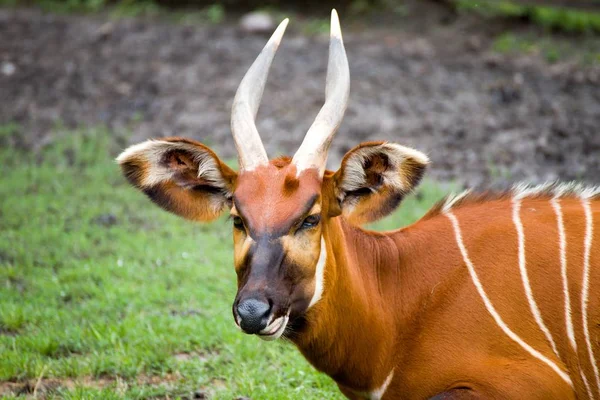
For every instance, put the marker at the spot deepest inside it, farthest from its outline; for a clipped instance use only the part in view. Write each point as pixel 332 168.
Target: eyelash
pixel 311 221
pixel 238 223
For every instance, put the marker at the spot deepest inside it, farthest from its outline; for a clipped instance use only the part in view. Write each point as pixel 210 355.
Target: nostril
pixel 253 315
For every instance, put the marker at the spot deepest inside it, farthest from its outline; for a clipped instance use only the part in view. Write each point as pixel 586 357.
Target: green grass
pixel 213 14
pixel 551 49
pixel 105 296
pixel 62 6
pixel 553 18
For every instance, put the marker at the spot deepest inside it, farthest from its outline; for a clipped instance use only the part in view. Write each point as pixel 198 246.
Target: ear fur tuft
pixel 145 164
pixel 375 177
pixel 180 175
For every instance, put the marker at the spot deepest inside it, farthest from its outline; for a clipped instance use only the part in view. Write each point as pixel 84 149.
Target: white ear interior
pixel 153 152
pixel 354 176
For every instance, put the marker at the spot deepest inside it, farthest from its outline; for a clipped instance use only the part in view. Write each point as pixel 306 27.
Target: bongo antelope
pixel 489 296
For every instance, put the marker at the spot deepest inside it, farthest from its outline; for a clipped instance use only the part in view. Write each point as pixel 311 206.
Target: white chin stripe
pixel 275 329
pixel 319 275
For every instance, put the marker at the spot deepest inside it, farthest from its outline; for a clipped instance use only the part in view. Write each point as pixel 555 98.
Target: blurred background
pixel 489 89
pixel 104 296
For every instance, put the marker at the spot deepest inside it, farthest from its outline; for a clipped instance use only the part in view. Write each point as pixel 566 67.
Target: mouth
pixel 275 329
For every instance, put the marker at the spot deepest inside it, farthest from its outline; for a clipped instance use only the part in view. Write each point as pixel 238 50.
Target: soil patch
pixel 41 388
pixel 429 81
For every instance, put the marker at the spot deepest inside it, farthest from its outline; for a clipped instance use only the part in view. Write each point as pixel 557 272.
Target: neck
pixel 348 331
pixel 374 289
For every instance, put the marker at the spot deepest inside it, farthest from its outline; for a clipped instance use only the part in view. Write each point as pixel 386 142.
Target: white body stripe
pixel 319 275
pixel 588 389
pixel 525 277
pixel 585 291
pixel 490 308
pixel 562 245
pixel 378 393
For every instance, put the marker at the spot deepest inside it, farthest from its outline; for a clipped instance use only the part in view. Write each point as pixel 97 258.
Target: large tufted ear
pixel 374 178
pixel 180 175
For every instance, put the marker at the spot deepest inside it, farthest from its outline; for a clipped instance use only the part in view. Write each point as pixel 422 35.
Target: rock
pixel 105 31
pixel 419 48
pixel 491 123
pixel 492 59
pixel 474 43
pixel 105 220
pixel 257 22
pixel 8 68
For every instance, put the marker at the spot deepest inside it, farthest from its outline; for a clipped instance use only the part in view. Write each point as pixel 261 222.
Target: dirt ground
pixel 428 80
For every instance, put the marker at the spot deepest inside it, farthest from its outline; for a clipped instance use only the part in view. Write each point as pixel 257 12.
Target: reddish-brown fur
pixel 425 319
pixel 404 301
pixel 267 200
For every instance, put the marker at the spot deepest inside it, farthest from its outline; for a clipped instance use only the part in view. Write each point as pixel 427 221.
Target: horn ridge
pixel 250 149
pixel 313 150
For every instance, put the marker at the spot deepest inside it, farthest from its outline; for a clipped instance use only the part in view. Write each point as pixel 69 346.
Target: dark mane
pixel 519 191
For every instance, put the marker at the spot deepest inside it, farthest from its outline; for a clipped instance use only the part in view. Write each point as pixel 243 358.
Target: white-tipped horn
pixel 251 152
pixel 313 151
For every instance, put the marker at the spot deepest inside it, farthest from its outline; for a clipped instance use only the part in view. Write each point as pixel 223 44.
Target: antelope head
pixel 280 208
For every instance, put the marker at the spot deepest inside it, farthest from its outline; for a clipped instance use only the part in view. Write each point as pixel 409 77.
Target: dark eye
pixel 310 221
pixel 238 223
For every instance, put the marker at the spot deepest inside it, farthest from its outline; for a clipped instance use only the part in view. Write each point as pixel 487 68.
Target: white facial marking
pixel 490 307
pixel 585 291
pixel 537 315
pixel 319 275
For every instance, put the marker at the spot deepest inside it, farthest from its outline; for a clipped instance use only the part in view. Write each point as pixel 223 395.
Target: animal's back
pixel 521 304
